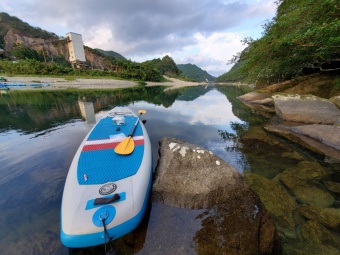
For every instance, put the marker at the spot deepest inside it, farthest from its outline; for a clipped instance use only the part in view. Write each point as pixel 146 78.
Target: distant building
pixel 76 50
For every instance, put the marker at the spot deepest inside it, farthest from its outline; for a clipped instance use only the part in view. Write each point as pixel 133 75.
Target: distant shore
pixel 81 83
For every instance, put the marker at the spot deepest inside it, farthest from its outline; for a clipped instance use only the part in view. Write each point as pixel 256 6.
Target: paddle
pixel 127 146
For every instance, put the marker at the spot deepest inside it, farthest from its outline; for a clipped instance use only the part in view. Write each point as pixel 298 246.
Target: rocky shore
pixel 307 113
pixel 303 198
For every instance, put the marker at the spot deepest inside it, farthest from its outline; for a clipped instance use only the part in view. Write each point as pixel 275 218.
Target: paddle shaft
pixel 134 127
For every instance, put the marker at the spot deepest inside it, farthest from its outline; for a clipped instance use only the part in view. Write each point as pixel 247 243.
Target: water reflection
pixel 87 112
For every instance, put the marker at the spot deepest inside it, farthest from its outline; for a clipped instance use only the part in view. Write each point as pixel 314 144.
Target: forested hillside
pixel 195 73
pixel 303 38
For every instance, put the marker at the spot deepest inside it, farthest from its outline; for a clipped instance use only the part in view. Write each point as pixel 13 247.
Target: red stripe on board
pixel 104 146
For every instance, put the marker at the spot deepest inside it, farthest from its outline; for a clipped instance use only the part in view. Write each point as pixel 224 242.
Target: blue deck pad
pixel 106 127
pixel 101 166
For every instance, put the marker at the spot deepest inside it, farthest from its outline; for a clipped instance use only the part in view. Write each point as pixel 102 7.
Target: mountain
pixel 111 53
pixel 194 72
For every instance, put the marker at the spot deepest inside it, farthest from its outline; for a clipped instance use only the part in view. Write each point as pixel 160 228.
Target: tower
pixel 76 50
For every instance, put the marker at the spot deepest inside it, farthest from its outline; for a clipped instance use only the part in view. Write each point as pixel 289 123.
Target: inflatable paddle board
pixel 108 184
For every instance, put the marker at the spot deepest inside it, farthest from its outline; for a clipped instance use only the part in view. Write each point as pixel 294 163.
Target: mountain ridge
pixel 195 73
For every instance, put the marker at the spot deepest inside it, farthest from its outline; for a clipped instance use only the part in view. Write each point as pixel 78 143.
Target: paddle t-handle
pixel 127 146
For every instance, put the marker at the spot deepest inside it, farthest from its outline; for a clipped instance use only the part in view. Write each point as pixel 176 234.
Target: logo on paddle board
pixel 107 189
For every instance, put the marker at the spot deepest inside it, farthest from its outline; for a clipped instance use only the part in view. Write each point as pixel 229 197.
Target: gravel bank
pixel 61 83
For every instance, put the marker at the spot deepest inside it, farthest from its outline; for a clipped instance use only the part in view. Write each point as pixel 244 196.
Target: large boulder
pixel 191 177
pixel 306 109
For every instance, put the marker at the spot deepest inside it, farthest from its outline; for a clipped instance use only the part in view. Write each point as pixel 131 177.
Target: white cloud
pixel 211 52
pixel 202 32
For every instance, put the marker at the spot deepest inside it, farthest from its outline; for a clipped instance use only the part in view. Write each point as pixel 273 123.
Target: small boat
pixel 15 85
pixel 39 85
pixel 108 184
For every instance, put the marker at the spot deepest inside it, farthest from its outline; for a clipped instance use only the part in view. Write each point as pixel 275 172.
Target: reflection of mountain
pixel 191 93
pixel 34 111
pixel 239 109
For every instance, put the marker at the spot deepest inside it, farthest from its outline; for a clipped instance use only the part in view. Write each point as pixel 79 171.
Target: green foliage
pixel 129 70
pixel 23 27
pixel 234 75
pixel 195 73
pixel 23 52
pixel 304 33
pixel 168 67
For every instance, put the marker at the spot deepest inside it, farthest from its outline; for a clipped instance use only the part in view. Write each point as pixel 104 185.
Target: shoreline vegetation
pixel 57 83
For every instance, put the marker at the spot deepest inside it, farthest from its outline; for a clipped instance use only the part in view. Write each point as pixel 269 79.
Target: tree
pixel 304 33
pixel 168 67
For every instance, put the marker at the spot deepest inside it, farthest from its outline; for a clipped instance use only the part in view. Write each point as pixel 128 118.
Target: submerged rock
pixel 307 192
pixel 277 201
pixel 264 150
pixel 306 170
pixel 316 239
pixel 332 186
pixel 234 220
pixel 329 217
pixel 301 181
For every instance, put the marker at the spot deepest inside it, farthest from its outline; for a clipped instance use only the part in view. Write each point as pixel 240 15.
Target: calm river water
pixel 41 131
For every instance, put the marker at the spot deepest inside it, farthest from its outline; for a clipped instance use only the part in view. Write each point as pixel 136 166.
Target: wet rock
pixel 335 100
pixel 255 96
pixel 277 201
pixel 329 217
pixel 332 154
pixel 234 221
pixel 306 109
pixel 326 134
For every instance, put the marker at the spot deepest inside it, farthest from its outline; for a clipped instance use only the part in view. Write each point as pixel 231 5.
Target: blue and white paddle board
pixel 104 188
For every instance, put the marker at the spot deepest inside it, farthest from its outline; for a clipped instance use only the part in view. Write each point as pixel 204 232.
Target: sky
pixel 206 33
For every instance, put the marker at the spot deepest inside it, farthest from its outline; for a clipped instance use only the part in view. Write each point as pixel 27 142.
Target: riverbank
pixel 81 83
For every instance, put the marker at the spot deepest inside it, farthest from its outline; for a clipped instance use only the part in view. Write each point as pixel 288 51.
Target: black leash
pixel 112 251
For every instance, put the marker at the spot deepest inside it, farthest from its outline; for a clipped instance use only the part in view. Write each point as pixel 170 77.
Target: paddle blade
pixel 125 147
pixel 141 112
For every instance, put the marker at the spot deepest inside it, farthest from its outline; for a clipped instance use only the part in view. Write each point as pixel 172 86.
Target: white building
pixel 76 49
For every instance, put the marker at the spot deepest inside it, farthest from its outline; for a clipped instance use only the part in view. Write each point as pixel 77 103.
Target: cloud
pixel 203 31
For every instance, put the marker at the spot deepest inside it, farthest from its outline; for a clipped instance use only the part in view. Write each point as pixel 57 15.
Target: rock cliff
pixel 50 47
